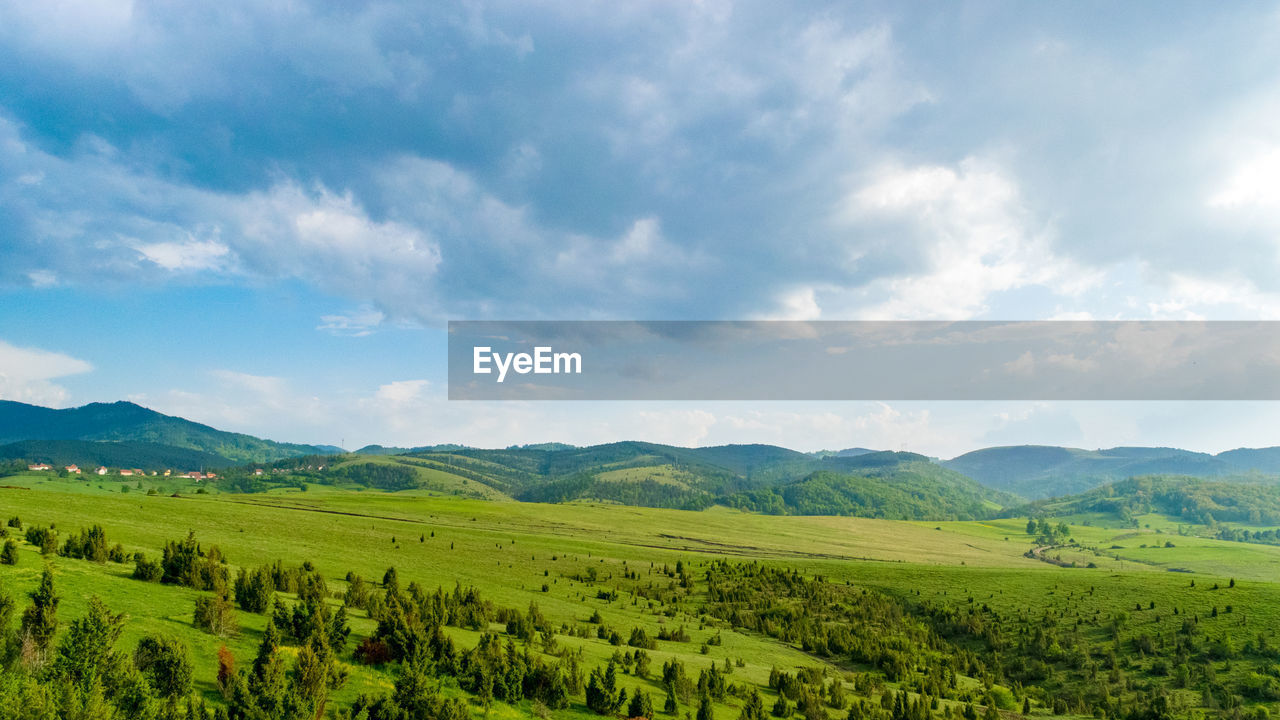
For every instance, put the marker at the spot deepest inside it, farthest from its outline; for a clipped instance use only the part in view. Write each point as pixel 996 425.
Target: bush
pixel 90 544
pixel 9 555
pixel 186 563
pixel 164 661
pixel 44 538
pixel 254 590
pixel 146 570
pixel 371 651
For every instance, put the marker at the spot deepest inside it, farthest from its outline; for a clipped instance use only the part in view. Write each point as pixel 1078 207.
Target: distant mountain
pixel 381 450
pixel 1263 460
pixel 384 450
pixel 89 454
pixel 127 422
pixel 1038 471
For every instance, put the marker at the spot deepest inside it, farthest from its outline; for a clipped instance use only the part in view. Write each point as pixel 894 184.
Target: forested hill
pixel 127 422
pixel 127 454
pixel 912 490
pixel 1193 500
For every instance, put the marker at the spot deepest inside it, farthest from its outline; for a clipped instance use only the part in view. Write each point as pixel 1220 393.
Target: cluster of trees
pixel 1238 534
pixel 382 476
pixel 83 674
pixel 1046 533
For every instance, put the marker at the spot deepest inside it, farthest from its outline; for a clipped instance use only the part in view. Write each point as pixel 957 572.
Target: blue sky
pixel 259 215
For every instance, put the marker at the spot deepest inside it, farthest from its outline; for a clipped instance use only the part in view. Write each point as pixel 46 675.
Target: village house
pixel 72 469
pixel 124 473
pixel 101 470
pixel 39 466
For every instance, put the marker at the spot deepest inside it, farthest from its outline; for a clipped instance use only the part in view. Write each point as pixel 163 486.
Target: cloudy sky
pixel 260 214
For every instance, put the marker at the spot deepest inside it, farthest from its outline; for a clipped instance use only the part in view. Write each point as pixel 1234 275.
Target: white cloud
pixel 960 235
pixel 1254 183
pixel 26 374
pixel 191 255
pixel 359 323
pixel 401 391
pixel 42 278
pixel 330 241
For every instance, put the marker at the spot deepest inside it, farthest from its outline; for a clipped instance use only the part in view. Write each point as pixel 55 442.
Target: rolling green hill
pixel 127 422
pixel 900 491
pixel 763 478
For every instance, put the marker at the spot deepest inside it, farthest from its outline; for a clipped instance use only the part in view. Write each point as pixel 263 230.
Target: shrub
pixel 146 570
pixel 372 651
pixel 44 538
pixel 164 661
pixel 254 590
pixel 9 555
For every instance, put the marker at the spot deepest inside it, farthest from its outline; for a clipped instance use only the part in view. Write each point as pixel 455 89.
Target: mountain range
pixel 1041 471
pixel 764 478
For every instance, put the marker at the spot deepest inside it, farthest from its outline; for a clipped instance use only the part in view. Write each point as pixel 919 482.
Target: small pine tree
pixel 40 619
pixel 705 709
pixel 640 706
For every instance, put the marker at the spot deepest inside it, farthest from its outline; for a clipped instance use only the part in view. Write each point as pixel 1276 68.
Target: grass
pixel 510 550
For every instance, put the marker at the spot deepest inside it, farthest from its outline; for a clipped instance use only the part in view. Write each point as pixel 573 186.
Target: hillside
pixel 1187 499
pixel 898 491
pixel 127 422
pixel 1037 471
pixel 763 478
pixel 86 453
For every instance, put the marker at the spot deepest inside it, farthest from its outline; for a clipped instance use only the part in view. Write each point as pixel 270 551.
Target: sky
pixel 259 215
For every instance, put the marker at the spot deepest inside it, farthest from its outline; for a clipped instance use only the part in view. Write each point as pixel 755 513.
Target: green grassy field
pixel 510 550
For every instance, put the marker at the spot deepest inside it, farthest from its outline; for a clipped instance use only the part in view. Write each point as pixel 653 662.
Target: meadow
pixel 577 560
